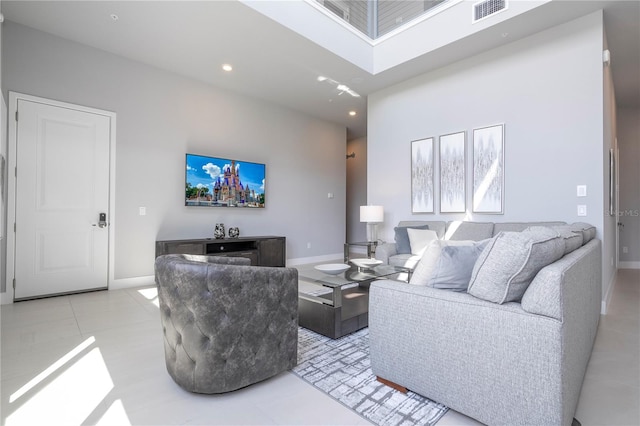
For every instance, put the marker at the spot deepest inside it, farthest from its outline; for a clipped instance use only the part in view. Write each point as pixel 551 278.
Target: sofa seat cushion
pixel 511 260
pixel 404 260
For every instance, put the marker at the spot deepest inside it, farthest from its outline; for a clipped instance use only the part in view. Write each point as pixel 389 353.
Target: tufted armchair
pixel 226 324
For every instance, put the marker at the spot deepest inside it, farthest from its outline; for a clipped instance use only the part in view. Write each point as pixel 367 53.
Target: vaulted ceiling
pixel 275 63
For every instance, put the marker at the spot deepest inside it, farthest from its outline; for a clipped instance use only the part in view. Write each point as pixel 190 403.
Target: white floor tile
pixel 97 358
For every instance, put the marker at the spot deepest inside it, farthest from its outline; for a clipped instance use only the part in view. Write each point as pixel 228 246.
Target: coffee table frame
pixel 344 308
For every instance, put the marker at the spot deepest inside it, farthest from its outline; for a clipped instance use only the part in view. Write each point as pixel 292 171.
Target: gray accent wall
pixel 629 190
pixel 356 189
pixel 160 117
pixel 548 91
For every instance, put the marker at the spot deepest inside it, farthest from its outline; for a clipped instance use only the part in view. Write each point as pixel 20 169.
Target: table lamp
pixel 372 215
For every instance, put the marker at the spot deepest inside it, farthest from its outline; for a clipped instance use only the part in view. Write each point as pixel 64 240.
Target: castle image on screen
pixel 219 182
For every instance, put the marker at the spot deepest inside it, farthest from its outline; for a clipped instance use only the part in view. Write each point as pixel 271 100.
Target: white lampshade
pixel 371 214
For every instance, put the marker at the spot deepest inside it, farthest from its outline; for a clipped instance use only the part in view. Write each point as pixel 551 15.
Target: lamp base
pixel 372 232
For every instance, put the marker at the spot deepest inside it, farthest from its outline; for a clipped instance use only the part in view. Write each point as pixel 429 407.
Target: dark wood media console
pixel 263 251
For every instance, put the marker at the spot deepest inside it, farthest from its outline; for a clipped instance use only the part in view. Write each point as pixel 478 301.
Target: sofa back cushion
pixel 469 231
pixel 572 239
pixel 436 225
pixel 455 265
pixel 419 239
pixel 403 245
pixel 588 231
pixel 427 265
pixel 511 260
pixel 520 226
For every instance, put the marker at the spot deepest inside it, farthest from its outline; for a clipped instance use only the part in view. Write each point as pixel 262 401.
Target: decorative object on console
pixel 234 232
pixel 372 215
pixel 218 232
pixel 219 182
pixel 452 173
pixel 333 268
pixel 422 188
pixel 488 169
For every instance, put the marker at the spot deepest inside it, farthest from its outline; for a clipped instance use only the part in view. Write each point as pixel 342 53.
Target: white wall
pixel 548 91
pixel 629 206
pixel 160 117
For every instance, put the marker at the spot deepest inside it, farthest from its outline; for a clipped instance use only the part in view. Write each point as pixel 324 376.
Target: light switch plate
pixel 581 190
pixel 582 210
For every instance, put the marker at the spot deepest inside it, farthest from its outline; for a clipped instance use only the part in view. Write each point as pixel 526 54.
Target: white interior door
pixel 62 187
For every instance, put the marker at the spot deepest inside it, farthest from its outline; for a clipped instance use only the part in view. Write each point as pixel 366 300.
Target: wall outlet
pixel 582 210
pixel 308 245
pixel 143 211
pixel 625 249
pixel 581 190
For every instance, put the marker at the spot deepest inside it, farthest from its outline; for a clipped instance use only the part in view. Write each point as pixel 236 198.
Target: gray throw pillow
pixel 455 265
pixel 511 260
pixel 403 246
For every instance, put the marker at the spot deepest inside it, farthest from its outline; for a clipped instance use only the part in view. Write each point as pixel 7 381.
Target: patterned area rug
pixel 341 368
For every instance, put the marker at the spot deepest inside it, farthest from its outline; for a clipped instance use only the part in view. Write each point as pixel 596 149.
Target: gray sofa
pixel 226 324
pixel 515 363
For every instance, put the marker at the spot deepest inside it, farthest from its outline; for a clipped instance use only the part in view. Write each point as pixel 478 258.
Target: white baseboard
pixel 628 265
pixel 132 282
pixel 316 259
pixel 6 298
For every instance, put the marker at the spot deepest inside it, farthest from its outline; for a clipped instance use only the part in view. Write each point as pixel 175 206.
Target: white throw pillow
pixel 424 269
pixel 419 239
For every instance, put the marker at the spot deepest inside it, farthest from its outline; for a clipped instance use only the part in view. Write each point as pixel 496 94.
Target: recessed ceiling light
pixel 352 113
pixel 227 67
pixel 114 17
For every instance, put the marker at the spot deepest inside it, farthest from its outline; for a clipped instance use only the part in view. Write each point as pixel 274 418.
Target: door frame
pixel 14 97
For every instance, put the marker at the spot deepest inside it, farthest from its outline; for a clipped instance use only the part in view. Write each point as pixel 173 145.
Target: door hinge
pixel 14 227
pixel 16 115
pixel 14 283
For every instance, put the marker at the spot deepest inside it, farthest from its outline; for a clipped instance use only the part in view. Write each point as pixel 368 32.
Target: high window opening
pixel 376 18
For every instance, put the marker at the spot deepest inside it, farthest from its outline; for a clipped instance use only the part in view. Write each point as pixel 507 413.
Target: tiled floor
pixel 97 358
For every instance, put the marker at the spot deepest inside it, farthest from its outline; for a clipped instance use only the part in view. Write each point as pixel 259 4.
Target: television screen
pixel 219 182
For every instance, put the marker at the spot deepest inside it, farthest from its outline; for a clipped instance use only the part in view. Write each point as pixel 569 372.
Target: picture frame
pixel 422 185
pixel 453 160
pixel 488 169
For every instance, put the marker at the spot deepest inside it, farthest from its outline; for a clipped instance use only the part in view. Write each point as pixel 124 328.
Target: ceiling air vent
pixel 486 8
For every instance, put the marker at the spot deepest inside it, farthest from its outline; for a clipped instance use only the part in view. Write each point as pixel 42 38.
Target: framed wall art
pixel 422 188
pixel 488 169
pixel 452 173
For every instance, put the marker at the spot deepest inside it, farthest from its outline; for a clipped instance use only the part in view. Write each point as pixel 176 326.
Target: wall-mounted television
pixel 220 182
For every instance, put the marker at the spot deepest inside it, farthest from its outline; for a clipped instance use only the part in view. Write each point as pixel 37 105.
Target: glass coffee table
pixel 336 305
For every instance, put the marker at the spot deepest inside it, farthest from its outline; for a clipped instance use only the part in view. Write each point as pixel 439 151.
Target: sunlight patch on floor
pixel 150 294
pixel 68 391
pixel 115 415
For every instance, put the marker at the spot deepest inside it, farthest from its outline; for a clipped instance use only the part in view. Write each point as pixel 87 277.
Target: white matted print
pixel 488 169
pixel 452 173
pixel 422 162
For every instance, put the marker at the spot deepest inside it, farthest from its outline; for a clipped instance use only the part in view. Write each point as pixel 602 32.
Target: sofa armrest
pixel 485 360
pixel 384 251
